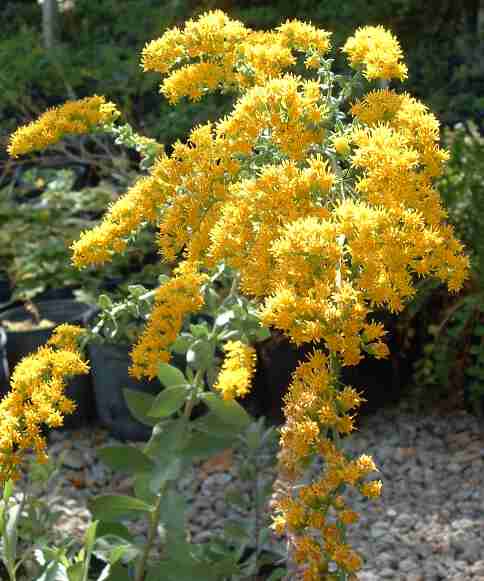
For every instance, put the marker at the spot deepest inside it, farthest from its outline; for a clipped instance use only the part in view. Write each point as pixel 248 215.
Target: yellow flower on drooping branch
pixel 74 117
pixel 234 379
pixel 377 51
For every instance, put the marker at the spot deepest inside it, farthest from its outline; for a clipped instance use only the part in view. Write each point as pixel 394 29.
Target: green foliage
pixel 454 351
pixel 462 190
pixel 175 444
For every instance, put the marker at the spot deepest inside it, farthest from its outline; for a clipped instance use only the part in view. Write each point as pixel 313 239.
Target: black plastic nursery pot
pixel 5 289
pixel 22 343
pixel 109 367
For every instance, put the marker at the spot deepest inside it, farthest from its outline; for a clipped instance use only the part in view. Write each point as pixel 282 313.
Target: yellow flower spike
pixel 174 300
pixel 237 370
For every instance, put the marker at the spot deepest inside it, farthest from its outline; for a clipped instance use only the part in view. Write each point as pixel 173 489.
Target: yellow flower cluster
pixel 289 108
pixel 230 56
pixel 53 125
pixel 37 397
pixel 174 300
pixel 377 52
pixel 237 371
pixel 323 224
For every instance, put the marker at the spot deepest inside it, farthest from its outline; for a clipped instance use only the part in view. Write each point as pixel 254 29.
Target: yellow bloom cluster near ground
pixel 37 397
pixel 324 221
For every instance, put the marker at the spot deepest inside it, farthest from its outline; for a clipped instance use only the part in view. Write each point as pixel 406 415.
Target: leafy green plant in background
pixel 454 351
pixel 43 212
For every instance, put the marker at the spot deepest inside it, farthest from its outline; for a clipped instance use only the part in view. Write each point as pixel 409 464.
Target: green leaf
pixel 203 445
pixel 142 488
pixel 170 376
pixel 11 533
pixel 112 507
pixel 181 344
pixel 139 403
pixel 201 354
pixel 168 401
pixel 113 529
pixel 166 470
pixel 200 330
pixel 262 334
pixel 210 423
pixel 125 458
pixel 75 572
pixel 277 574
pixel 104 302
pixel 173 509
pixel 8 490
pixel 229 411
pixel 117 572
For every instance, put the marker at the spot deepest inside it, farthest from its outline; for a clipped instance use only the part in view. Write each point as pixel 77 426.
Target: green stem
pixel 155 517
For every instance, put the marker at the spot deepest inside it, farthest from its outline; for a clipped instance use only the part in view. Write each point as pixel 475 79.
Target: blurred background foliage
pixel 98 52
pixel 99 46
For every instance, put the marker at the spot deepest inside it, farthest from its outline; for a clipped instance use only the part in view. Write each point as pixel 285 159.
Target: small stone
pixel 477 568
pixel 405 521
pixel 407 565
pixel 73 460
pixel 454 468
pixel 387 573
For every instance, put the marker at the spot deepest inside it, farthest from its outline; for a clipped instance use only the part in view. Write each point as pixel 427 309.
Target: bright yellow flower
pixel 74 117
pixel 377 51
pixel 237 370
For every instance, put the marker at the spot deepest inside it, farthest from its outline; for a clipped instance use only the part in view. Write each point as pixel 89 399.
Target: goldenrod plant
pixel 318 191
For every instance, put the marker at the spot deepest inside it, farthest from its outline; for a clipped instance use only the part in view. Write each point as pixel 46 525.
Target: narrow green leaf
pixel 112 507
pixel 168 401
pixel 11 533
pixel 8 490
pixel 125 458
pixel 170 376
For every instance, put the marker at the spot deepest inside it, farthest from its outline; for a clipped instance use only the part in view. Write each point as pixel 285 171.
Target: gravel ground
pixel 428 525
